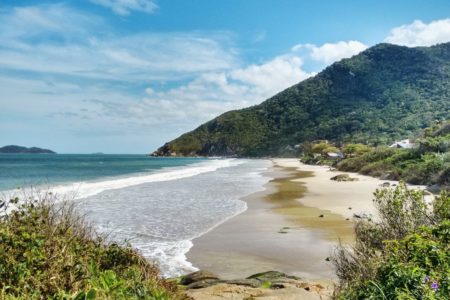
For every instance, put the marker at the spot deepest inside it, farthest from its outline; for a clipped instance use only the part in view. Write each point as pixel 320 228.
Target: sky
pixel 126 76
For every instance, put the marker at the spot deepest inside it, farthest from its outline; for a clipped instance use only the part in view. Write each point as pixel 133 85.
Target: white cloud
pixel 39 39
pixel 77 82
pixel 124 7
pixel 274 75
pixel 331 52
pixel 211 94
pixel 46 21
pixel 214 81
pixel 419 33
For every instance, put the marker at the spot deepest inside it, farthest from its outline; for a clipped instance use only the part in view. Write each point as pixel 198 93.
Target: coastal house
pixel 335 155
pixel 404 144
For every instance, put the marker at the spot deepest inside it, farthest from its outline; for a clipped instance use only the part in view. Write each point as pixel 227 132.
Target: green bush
pixel 48 251
pixel 405 254
pixel 355 149
pixel 355 164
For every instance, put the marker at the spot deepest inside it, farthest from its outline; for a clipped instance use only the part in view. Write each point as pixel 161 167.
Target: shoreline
pixel 261 238
pixel 282 229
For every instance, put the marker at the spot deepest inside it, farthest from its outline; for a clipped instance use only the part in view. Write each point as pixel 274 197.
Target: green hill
pixel 385 93
pixel 13 149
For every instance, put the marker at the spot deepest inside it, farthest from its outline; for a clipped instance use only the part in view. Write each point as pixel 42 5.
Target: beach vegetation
pixel 49 251
pixel 427 163
pixel 404 254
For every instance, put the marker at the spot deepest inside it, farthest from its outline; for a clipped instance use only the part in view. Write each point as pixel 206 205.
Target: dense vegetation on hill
pixel 405 254
pixel 20 149
pixel 385 93
pixel 427 163
pixel 47 251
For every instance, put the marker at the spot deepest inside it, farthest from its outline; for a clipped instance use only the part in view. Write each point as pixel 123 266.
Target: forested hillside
pixel 385 93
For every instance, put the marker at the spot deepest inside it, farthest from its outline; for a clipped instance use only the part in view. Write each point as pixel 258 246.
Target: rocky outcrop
pixel 202 285
pixel 343 177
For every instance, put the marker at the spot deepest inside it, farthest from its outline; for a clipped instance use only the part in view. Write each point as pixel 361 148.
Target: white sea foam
pixel 84 189
pixel 162 219
pixel 161 213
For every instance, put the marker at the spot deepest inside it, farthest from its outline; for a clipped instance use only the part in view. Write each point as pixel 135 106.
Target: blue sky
pixel 125 76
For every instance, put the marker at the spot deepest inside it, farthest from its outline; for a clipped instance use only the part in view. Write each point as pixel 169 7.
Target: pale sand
pixel 235 292
pixel 255 240
pixel 251 242
pixel 334 196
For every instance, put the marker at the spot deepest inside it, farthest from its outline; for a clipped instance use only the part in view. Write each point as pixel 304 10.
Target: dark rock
pixel 255 283
pixel 277 286
pixel 343 177
pixel 198 276
pixel 203 284
pixel 272 276
pixel 435 188
pixel 386 176
pixel 321 216
pixel 270 279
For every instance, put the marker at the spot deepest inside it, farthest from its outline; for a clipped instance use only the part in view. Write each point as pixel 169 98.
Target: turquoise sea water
pixel 159 205
pixel 24 170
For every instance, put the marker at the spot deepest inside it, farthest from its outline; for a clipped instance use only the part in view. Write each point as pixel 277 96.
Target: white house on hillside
pixel 405 144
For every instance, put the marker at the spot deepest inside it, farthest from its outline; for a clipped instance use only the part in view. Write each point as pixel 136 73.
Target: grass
pixel 49 251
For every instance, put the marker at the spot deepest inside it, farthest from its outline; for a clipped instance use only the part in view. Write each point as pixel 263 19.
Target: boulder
pixel 434 189
pixel 198 276
pixel 343 177
pixel 254 283
pixel 386 176
pixel 272 276
pixel 361 216
pixel 203 284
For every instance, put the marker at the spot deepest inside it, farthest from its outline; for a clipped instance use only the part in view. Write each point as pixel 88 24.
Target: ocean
pixel 158 205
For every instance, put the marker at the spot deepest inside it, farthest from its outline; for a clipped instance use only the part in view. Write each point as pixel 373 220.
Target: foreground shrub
pixel 48 251
pixel 405 254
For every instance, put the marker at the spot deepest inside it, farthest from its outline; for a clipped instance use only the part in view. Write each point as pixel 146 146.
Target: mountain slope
pixel 385 93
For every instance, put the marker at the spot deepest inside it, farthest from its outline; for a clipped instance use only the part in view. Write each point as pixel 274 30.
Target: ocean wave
pixel 84 189
pixel 162 212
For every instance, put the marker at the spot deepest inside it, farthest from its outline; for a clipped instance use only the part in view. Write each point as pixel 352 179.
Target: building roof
pixel 406 144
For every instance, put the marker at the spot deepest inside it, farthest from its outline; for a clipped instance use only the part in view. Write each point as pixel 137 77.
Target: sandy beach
pixel 291 226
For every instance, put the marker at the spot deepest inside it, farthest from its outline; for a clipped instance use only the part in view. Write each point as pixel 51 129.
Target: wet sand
pixel 292 226
pixel 275 233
